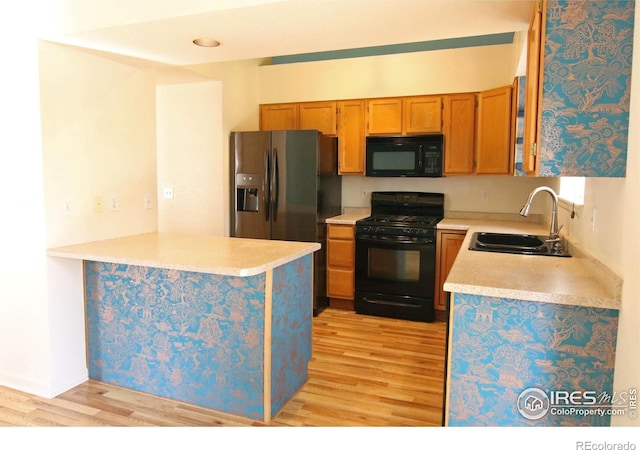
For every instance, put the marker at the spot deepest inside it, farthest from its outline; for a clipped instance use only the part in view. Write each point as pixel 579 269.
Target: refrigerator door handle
pixel 265 186
pixel 275 184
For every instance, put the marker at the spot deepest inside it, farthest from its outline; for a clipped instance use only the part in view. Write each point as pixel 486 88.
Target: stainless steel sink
pixel 522 244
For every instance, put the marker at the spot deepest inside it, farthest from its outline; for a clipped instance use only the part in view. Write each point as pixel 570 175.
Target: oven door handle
pixel 395 240
pixel 387 302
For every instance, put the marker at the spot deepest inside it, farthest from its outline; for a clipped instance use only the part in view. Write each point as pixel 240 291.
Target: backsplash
pixel 492 194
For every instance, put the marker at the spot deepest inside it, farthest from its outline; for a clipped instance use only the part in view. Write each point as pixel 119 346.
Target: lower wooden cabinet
pixel 448 244
pixel 341 261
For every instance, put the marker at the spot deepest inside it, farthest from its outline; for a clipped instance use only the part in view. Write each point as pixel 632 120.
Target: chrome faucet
pixel 554 231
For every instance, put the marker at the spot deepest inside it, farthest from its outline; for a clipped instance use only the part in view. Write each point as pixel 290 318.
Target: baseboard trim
pixel 43 388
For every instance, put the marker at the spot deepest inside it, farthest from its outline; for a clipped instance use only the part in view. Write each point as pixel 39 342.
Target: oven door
pixel 395 276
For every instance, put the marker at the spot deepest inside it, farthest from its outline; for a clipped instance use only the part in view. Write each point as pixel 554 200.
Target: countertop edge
pixel 533 296
pixel 76 252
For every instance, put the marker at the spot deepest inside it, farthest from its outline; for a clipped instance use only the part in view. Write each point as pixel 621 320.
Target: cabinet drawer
pixel 341 253
pixel 340 232
pixel 340 283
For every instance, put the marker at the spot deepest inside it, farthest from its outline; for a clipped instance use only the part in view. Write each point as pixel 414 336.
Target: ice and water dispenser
pixel 247 192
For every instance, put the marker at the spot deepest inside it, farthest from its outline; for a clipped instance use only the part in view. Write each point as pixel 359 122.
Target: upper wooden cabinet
pixel 279 117
pixel 478 132
pixel 494 145
pixel 404 115
pixel 531 121
pixel 321 116
pixel 384 116
pixel 578 88
pixel 460 133
pixel 422 114
pixel 351 136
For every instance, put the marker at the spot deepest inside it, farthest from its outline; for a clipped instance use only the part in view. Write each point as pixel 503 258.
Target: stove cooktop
pixel 400 221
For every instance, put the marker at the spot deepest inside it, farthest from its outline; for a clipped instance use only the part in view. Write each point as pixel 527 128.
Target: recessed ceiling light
pixel 206 42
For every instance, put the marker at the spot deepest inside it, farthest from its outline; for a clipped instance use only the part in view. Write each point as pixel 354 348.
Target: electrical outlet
pixel 98 205
pixel 148 202
pixel 168 193
pixel 486 195
pixel 594 223
pixel 363 193
pixel 113 203
pixel 67 206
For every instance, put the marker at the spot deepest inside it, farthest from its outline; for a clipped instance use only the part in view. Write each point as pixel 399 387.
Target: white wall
pixel 24 312
pixel 98 141
pixel 432 72
pixel 625 223
pixel 96 137
pixel 191 158
pixel 607 197
pixel 239 93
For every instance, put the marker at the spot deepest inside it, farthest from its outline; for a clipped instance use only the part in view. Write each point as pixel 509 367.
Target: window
pixel 572 189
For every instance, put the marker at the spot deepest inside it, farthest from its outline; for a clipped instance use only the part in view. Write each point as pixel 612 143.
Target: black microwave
pixel 404 156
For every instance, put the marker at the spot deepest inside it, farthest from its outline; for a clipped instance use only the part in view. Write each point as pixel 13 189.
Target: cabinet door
pixel 279 117
pixel 531 119
pixel 321 116
pixel 493 145
pixel 459 133
pixel 422 114
pixel 384 116
pixel 448 246
pixel 351 136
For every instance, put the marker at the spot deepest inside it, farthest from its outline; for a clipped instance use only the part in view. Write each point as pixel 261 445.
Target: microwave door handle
pixel 265 185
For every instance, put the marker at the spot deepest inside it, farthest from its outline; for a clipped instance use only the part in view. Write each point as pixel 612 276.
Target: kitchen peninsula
pixel 219 322
pixel 523 327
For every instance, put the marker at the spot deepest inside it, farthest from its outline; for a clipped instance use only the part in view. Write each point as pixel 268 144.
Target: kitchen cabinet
pixel 422 114
pixel 478 132
pixel 384 116
pixel 351 136
pixel 405 115
pixel 578 88
pixel 448 244
pixel 279 117
pixel 341 261
pixel 494 143
pixel 460 133
pixel 321 116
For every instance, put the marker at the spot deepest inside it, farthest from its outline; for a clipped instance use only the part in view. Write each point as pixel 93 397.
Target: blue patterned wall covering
pixel 291 329
pixel 187 336
pixel 500 347
pixel 586 88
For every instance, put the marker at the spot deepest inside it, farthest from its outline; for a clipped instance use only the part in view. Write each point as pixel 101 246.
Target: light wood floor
pixel 365 371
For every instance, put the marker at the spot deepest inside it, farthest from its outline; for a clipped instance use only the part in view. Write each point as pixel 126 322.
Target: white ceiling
pixel 163 30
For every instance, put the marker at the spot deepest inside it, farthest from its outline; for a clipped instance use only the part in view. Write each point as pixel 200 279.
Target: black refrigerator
pixel 284 185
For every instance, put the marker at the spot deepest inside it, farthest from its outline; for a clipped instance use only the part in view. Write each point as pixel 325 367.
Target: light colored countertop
pixel 204 254
pixel 349 216
pixel 580 280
